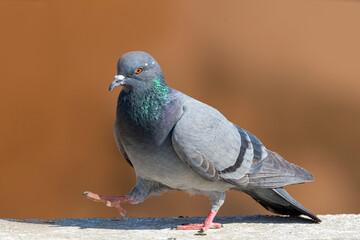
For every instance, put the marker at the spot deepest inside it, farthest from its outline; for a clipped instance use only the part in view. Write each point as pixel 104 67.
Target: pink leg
pixel 111 201
pixel 202 226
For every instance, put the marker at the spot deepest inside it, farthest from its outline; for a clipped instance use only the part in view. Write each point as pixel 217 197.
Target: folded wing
pixel 219 150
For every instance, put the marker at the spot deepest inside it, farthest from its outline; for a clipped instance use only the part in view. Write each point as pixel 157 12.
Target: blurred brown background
pixel 288 71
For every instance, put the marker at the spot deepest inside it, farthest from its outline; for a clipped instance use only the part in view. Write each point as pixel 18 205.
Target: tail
pixel 277 200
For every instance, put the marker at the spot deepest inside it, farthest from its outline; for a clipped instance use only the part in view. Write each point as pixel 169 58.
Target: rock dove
pixel 175 142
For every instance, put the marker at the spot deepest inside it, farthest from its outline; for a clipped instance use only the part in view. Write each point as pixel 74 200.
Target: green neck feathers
pixel 148 106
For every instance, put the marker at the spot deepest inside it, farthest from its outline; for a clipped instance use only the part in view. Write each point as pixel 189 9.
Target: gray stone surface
pixel 346 226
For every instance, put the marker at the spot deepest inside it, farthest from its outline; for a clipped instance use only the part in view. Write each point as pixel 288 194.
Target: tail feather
pixel 277 200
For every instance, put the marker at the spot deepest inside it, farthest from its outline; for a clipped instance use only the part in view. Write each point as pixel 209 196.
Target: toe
pixel 189 226
pixel 216 225
pixel 93 196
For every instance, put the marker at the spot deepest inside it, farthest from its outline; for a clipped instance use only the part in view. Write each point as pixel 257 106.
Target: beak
pixel 118 81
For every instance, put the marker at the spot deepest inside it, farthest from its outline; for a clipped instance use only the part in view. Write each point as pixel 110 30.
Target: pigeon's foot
pixel 202 227
pixel 111 201
pixel 198 226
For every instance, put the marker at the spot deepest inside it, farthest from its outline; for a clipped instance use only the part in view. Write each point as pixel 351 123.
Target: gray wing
pixel 205 140
pixel 120 146
pixel 217 149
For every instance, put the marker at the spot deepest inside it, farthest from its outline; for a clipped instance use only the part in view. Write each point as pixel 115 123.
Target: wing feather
pixel 205 140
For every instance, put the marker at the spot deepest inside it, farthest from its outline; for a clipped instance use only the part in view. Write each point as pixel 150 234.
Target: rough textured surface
pixel 235 227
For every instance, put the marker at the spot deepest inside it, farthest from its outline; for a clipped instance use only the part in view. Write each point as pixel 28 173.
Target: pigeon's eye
pixel 139 70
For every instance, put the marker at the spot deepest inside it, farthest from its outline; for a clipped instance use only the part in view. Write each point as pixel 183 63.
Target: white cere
pixel 119 77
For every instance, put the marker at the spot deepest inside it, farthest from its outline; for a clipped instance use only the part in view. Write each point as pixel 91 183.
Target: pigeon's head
pixel 136 70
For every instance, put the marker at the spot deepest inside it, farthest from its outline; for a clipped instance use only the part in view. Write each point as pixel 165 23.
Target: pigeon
pixel 175 142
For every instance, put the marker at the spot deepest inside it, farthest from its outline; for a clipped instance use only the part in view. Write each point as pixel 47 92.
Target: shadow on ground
pixel 159 223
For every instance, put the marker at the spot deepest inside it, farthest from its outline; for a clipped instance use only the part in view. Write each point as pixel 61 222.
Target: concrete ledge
pixel 345 226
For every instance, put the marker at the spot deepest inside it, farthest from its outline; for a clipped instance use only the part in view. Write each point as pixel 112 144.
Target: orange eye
pixel 139 70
